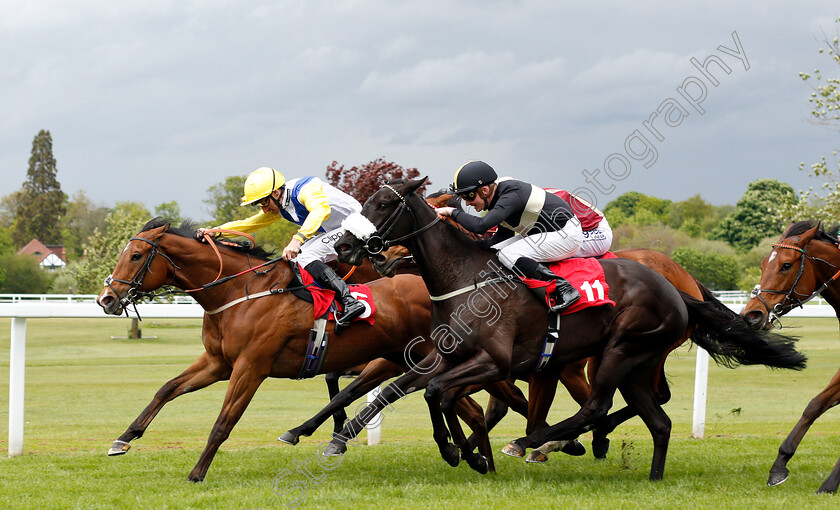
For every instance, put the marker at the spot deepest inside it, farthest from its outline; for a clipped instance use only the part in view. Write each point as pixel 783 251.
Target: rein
pixel 792 297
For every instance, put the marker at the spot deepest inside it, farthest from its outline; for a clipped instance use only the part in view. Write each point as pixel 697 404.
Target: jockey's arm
pixel 250 224
pixel 313 198
pixel 503 208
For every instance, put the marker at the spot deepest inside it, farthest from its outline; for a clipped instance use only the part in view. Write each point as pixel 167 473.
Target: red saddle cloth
pixel 586 275
pixel 322 299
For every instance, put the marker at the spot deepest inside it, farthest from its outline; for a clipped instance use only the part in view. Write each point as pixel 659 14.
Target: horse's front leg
pixel 825 400
pixel 246 377
pixel 479 369
pixel 203 372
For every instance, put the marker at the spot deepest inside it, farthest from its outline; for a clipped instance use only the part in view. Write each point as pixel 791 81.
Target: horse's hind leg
pixel 830 484
pixel 340 415
pixel 504 395
pixel 203 372
pixel 411 381
pixel 639 394
pixel 473 415
pixel 613 420
pixel 372 376
pixel 825 400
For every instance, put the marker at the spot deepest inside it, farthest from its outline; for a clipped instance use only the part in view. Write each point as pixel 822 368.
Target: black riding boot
pixel 327 278
pixel 564 294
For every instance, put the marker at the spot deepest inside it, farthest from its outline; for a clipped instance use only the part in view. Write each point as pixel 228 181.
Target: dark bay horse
pixel 804 263
pixel 487 327
pixel 574 376
pixel 257 338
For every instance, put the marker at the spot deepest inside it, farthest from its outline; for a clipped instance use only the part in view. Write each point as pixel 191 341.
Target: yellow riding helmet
pixel 260 183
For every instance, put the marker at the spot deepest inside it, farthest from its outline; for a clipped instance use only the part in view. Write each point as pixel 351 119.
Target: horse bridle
pixel 376 242
pixel 792 298
pixel 135 283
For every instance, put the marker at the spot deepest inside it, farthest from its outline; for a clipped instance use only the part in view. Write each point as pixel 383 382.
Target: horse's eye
pixel 136 257
pixel 786 266
pixel 382 206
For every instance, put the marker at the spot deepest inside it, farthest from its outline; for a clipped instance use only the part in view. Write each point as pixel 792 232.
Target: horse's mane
pixel 800 227
pixel 460 234
pixel 187 229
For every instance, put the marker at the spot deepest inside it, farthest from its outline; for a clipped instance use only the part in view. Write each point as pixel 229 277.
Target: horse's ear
pixel 412 186
pixel 159 231
pixel 810 233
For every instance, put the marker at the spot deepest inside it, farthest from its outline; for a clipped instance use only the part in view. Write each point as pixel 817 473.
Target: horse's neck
pixel 829 253
pixel 448 262
pixel 196 268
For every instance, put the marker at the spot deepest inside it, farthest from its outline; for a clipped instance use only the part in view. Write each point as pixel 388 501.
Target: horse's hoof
pixel 334 450
pixel 777 477
pixel 574 448
pixel 479 463
pixel 827 488
pixel 451 455
pixel 195 478
pixel 537 457
pixel 600 447
pixel 289 438
pixel 513 450
pixel 119 448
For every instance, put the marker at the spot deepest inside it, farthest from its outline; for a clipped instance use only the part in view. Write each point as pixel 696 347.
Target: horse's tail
pixel 731 342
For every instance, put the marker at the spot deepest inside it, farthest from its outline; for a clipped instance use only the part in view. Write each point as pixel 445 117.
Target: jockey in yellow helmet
pixel 318 209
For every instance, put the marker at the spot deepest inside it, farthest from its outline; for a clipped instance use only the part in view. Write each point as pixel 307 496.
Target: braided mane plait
pixel 800 227
pixel 187 229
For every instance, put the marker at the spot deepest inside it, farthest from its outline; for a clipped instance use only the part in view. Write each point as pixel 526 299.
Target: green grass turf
pixel 84 388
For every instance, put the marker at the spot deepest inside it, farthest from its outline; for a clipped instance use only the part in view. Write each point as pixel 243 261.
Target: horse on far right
pixel 805 263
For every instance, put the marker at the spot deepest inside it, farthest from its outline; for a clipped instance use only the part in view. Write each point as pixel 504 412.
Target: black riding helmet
pixel 472 176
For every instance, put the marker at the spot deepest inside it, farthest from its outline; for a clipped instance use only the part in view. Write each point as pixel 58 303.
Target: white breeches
pixel 597 241
pixel 319 247
pixel 542 247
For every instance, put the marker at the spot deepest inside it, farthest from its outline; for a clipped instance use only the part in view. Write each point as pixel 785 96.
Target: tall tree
pixel 361 182
pixel 42 203
pixel 756 215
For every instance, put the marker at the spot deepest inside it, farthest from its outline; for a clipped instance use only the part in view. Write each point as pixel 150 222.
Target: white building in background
pixel 49 258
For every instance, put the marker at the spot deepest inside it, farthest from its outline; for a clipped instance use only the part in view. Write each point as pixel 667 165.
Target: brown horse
pixel 803 264
pixel 247 341
pixel 478 342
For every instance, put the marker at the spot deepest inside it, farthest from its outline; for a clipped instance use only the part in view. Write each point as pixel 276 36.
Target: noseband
pixel 792 298
pixel 135 283
pixel 376 243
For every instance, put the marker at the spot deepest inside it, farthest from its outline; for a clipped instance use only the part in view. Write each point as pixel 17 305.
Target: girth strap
pixel 550 341
pixel 316 350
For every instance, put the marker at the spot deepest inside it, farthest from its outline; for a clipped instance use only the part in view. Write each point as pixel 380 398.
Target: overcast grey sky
pixel 158 100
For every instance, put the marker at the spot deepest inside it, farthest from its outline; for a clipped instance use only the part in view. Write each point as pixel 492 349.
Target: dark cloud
pixel 159 102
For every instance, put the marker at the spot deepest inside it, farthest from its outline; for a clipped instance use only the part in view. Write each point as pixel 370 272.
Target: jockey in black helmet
pixel 533 226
